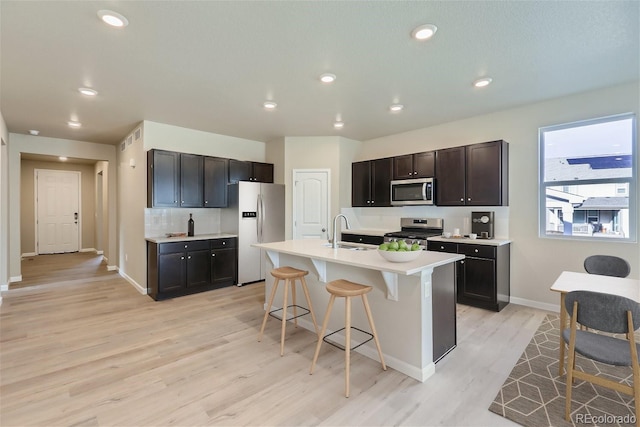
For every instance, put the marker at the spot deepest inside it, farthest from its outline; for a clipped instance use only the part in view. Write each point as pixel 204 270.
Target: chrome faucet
pixel 334 242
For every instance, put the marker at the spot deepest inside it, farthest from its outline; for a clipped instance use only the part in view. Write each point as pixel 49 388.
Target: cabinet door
pixel 171 271
pixel 198 268
pixel 479 279
pixel 484 174
pixel 239 171
pixel 164 178
pixel 361 184
pixel 403 167
pixel 223 266
pixel 215 182
pixel 191 181
pixel 262 172
pixel 424 165
pixel 450 177
pixel 381 172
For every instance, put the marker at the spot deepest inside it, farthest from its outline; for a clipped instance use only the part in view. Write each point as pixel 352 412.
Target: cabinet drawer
pixel 223 243
pixel 480 251
pixel 166 248
pixel 362 238
pixel 451 248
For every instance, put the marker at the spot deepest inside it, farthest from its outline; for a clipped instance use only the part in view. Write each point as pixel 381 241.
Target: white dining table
pixel 571 281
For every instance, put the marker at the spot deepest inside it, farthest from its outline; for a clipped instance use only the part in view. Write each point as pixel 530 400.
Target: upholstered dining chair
pixel 611 314
pixel 607 265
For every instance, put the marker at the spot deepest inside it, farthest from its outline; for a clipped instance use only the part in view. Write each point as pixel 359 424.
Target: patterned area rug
pixel 533 395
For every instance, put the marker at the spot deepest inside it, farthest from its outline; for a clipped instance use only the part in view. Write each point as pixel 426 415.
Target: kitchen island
pixel 402 301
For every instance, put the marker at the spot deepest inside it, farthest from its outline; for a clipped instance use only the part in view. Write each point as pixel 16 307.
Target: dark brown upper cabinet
pixel 371 183
pixel 191 181
pixel 163 179
pixel 216 170
pixel 250 171
pixel 417 165
pixel 473 175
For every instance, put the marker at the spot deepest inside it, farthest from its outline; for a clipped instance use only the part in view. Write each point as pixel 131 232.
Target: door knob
pixel 324 229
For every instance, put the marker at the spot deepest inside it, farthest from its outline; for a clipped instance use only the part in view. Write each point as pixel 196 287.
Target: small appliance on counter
pixel 482 224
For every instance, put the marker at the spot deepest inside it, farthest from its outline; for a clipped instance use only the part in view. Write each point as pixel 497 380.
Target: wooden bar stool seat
pixel 289 275
pixel 346 289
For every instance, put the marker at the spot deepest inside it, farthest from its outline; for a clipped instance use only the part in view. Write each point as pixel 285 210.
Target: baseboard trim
pixel 112 268
pixel 88 250
pixel 536 304
pixel 135 284
pixel 13 279
pixel 28 254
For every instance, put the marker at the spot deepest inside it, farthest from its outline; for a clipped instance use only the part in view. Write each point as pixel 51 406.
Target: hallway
pixel 45 270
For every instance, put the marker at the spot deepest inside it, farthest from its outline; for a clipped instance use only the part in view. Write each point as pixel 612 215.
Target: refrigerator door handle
pixel 259 219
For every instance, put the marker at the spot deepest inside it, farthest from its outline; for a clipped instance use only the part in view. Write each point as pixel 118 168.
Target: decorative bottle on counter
pixel 190 225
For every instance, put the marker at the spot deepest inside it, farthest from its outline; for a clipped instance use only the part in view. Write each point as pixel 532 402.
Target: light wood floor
pixel 92 351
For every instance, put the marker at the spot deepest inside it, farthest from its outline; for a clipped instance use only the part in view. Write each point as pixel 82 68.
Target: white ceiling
pixel 209 65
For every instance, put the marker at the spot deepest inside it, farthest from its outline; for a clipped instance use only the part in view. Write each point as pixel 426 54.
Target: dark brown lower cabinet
pixel 181 268
pixel 482 278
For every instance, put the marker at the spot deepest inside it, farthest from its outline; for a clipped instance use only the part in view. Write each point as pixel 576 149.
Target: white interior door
pixel 311 203
pixel 57 211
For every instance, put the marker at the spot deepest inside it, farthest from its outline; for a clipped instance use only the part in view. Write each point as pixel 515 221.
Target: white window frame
pixel 632 181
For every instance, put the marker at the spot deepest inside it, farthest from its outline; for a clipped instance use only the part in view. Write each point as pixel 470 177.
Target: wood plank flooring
pixel 89 350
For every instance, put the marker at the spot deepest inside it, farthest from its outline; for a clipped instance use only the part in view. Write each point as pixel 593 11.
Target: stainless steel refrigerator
pixel 255 213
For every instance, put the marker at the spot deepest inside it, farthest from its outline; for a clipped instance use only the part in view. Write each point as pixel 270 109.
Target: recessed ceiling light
pixel 88 91
pixel 34 132
pixel 483 82
pixel 113 18
pixel 327 78
pixel 424 32
pixel 338 125
pixel 62 158
pixel 396 107
pixel 74 124
pixel 270 105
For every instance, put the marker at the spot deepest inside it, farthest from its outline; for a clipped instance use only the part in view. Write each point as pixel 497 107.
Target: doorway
pixel 311 203
pixel 57 205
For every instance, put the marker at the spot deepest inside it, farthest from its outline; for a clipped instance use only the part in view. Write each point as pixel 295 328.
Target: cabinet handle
pixel 185 246
pixel 469 199
pixel 410 173
pixel 441 247
pixel 224 243
pixel 462 262
pixel 415 172
pixel 213 254
pixel 206 201
pixel 475 250
pixel 181 257
pixel 462 199
pixel 189 257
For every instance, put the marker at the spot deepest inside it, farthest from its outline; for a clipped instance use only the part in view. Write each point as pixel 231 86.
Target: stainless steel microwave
pixel 419 191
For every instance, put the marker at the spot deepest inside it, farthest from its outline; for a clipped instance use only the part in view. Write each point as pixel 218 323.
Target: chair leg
pixel 325 322
pixel 563 322
pixel 293 299
pixel 347 343
pixel 306 294
pixel 571 363
pixel 285 300
pixel 269 305
pixel 365 301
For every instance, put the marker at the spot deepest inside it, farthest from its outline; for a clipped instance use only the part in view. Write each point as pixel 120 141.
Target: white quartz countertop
pixel 488 242
pixel 164 239
pixel 369 231
pixel 319 249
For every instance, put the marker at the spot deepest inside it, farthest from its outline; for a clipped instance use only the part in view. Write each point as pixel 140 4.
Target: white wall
pixel 535 261
pixel 53 147
pixel 4 206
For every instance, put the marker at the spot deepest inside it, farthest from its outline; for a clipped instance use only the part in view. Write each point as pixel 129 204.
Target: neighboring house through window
pixel 588 178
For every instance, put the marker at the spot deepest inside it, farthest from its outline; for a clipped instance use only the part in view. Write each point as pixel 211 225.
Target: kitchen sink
pixel 348 246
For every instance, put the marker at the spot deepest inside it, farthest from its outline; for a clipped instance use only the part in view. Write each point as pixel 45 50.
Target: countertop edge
pixel 163 239
pixel 466 240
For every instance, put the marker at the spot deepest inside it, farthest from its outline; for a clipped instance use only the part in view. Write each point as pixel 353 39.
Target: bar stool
pixel 289 275
pixel 346 289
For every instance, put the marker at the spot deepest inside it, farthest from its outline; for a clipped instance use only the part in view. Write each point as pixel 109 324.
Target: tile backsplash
pixel 158 221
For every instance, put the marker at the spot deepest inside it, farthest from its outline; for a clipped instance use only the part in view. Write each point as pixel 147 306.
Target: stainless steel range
pixel 416 230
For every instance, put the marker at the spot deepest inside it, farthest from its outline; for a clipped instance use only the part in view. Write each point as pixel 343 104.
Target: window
pixel 588 174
